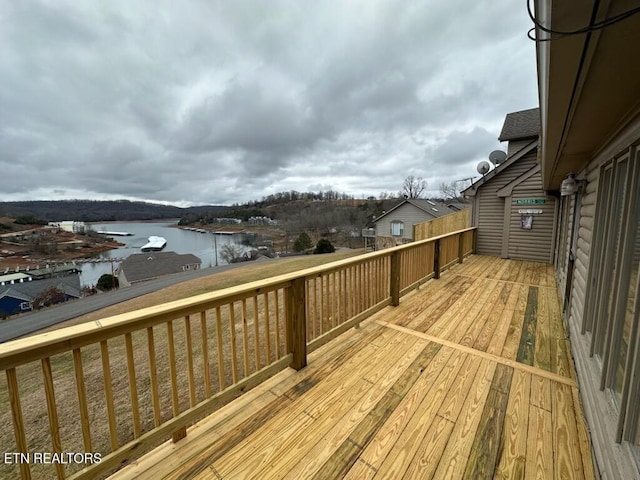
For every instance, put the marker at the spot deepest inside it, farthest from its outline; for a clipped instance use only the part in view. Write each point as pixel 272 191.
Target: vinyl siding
pixel 564 241
pixel 583 251
pixel 515 145
pixel 407 213
pixel 490 214
pixel 615 460
pixel 535 244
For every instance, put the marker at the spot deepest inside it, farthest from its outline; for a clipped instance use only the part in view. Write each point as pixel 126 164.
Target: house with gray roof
pixel 146 266
pixel 514 215
pixel 520 128
pixel 395 227
pixel 19 296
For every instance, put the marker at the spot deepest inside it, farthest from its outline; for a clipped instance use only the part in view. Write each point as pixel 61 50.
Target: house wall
pixel 535 244
pixel 489 215
pixel 407 213
pixel 602 297
pixel 122 279
pixel 565 221
pixel 515 145
pixel 10 306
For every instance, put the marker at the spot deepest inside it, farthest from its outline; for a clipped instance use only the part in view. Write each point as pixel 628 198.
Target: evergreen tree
pixel 324 246
pixel 302 243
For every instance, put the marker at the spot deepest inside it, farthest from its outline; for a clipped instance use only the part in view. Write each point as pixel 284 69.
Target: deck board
pixel 469 377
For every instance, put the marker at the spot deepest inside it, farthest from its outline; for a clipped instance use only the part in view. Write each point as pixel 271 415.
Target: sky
pixel 222 102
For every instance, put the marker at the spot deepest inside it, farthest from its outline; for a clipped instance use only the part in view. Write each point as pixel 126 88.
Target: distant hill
pixel 295 211
pixel 101 211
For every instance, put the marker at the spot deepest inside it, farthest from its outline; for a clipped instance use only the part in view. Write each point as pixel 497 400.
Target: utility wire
pixel 590 28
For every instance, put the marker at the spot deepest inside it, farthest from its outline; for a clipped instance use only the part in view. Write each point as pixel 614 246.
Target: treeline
pixel 328 195
pixel 313 211
pixel 293 196
pixel 99 210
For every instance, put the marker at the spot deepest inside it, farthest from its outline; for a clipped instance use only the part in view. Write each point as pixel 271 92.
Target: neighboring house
pixel 145 266
pixel 457 206
pixel 13 302
pixel 395 227
pixel 19 296
pixel 11 278
pixel 69 226
pixel 514 215
pixel 589 85
pixel 53 271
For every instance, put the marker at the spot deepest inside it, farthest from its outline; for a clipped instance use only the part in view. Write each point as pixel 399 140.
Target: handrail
pixel 219 345
pixel 49 343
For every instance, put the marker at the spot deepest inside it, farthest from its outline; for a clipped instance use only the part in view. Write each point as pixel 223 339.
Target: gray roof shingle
pixel 521 125
pixel 434 208
pixel 69 284
pixel 144 266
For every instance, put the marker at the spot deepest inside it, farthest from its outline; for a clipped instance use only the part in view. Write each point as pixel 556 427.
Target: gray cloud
pixel 222 102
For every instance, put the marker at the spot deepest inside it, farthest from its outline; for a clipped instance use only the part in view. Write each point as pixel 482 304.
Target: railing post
pixel 460 247
pixel 475 240
pixel 436 258
pixel 297 323
pixel 395 279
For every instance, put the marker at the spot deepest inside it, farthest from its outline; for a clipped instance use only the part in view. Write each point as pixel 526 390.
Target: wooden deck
pixel 470 377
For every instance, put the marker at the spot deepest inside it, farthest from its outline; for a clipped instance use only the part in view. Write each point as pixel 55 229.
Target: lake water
pixel 180 241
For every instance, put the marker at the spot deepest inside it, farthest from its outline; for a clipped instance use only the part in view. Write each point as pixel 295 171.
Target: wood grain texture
pixel 526 349
pixel 516 423
pixel 375 403
pixel 488 439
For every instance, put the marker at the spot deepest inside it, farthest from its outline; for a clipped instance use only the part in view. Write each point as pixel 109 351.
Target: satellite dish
pixel 483 167
pixel 497 157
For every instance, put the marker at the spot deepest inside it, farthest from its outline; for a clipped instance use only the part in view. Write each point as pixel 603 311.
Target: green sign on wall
pixel 531 201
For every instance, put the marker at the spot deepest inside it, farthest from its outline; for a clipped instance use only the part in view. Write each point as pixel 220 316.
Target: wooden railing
pixel 120 386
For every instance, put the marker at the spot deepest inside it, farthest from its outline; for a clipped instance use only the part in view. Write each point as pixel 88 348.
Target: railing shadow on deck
pixel 122 385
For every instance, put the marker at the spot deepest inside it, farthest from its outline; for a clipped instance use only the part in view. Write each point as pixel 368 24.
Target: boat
pixel 155 244
pixel 115 234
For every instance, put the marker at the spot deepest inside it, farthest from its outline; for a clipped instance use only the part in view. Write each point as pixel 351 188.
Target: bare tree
pixel 449 191
pixel 231 252
pixel 413 187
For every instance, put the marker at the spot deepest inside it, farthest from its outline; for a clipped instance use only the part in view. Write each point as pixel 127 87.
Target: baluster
pixel 189 353
pixel 277 320
pixel 256 331
pixel 205 354
pixel 234 350
pixel 153 375
pixel 245 338
pixel 133 387
pixel 56 445
pixel 108 393
pixel 18 423
pixel 221 380
pixel 267 328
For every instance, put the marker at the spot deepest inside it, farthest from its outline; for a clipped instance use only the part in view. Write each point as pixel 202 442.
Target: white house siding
pixel 535 244
pixel 490 207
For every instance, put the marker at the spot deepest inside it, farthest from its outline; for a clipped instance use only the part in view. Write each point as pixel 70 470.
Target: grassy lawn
pixel 211 283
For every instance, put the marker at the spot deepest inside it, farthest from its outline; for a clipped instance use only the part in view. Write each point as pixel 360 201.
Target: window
pixel 25 306
pixel 612 309
pixel 397 228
